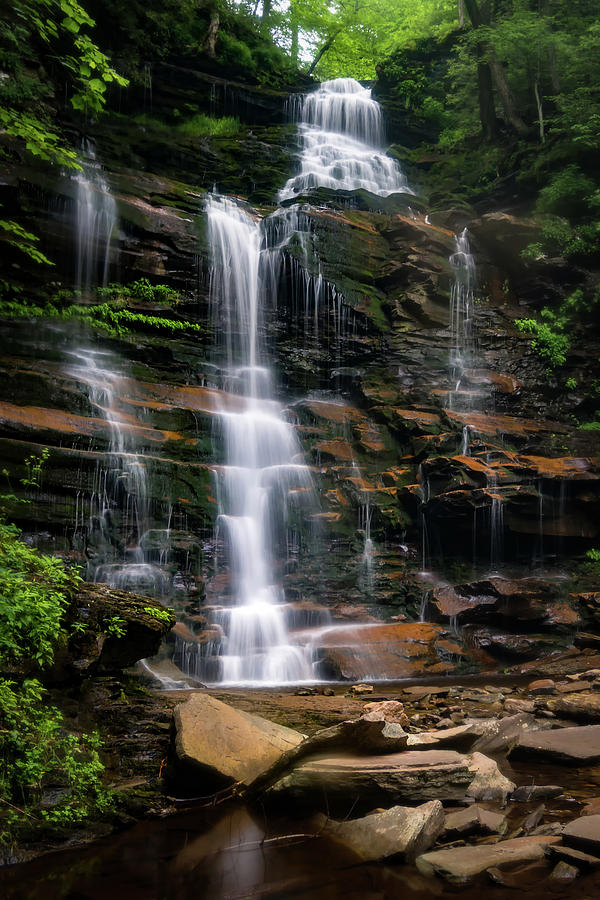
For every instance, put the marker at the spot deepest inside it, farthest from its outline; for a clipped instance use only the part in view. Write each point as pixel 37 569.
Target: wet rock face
pixel 408 480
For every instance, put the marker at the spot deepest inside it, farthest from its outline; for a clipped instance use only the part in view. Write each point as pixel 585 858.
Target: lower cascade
pixel 263 462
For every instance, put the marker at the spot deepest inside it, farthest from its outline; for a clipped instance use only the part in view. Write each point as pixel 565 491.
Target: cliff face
pixel 498 493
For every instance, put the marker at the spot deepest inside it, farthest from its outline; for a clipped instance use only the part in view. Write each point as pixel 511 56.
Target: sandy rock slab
pixel 219 745
pixel 400 832
pixel 415 776
pixel 461 864
pixel 574 746
pixel 584 834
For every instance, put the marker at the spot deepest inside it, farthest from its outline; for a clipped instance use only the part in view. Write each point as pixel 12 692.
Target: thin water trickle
pixel 95 224
pixel 462 293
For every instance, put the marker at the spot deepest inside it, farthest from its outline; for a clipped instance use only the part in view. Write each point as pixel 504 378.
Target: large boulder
pixel 217 745
pixel 110 630
pixel 400 832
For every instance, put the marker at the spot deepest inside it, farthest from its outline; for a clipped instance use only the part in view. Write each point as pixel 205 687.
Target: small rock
pixel 512 705
pixel 533 819
pixel 489 783
pixel 389 710
pixel 550 828
pixel 573 687
pixel 529 793
pixel 357 690
pixel 542 686
pixel 473 820
pixel 400 832
pixel 563 872
pixel 592 807
pixel 328 692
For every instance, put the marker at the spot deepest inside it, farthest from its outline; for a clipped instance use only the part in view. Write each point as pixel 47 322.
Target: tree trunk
pixel 210 41
pixel 538 101
pixel 295 34
pixel 461 13
pixel 504 92
pixel 498 77
pixel 322 51
pixel 266 9
pixel 487 107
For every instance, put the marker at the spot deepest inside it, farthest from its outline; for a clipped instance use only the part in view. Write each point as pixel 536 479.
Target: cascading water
pixel 96 222
pixel 263 460
pixel 117 517
pixel 341 136
pixel 461 320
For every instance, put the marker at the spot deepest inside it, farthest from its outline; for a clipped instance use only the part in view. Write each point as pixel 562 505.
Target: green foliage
pixel 34 593
pixel 593 555
pixel 161 615
pixel 143 290
pixel 115 627
pixel 21 239
pixel 34 466
pixel 37 753
pixel 552 336
pixel 201 126
pixel 551 345
pixel 110 316
pixel 567 193
pixel 571 384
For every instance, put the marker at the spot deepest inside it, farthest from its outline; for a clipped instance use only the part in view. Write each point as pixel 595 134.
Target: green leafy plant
pixel 161 615
pixel 551 345
pixel 34 466
pixel 115 627
pixel 34 594
pixel 36 752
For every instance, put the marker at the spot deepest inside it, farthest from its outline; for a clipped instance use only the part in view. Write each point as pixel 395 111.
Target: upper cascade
pixel 341 134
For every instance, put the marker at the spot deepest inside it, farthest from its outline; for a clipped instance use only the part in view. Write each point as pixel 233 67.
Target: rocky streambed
pixel 368 791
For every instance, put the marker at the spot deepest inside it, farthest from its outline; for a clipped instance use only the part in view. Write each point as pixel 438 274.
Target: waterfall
pixel 95 222
pixel 263 463
pixel 117 518
pixel 341 136
pixel 462 291
pixel 365 514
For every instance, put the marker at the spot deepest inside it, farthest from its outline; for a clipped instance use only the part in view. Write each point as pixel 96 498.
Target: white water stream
pixel 96 222
pixel 263 462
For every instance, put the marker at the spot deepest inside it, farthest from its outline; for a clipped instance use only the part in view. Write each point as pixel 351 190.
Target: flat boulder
pixel 217 745
pixel 462 864
pixel 584 834
pixel 575 746
pixel 412 777
pixel 583 707
pixel 401 832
